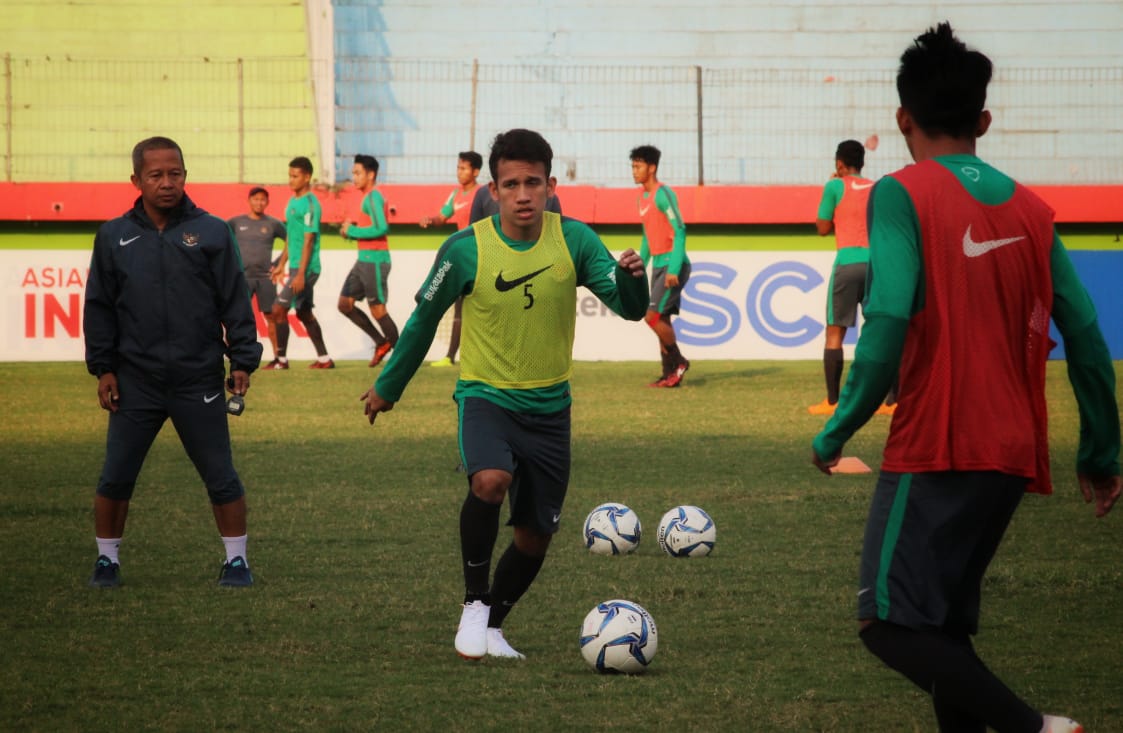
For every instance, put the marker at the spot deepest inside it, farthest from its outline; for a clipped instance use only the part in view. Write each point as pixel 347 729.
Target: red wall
pixel 409 203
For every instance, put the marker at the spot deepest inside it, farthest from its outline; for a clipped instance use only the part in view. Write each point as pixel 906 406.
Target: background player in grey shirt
pixel 255 233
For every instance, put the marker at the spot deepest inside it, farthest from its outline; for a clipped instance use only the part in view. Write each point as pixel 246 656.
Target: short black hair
pixel 522 145
pixel 943 84
pixel 256 190
pixel 472 158
pixel 301 163
pixel 368 161
pixel 852 154
pixel 152 143
pixel 647 153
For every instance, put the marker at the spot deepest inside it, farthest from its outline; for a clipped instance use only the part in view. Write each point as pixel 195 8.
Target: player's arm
pixel 832 194
pixel 99 321
pixel 667 202
pixel 623 289
pixel 1090 369
pixel 447 211
pixel 375 206
pixel 235 311
pixel 453 274
pixel 893 287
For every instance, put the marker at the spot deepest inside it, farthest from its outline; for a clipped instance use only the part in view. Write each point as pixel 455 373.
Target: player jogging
pixel 518 273
pixel 299 265
pixel 842 210
pixel 457 210
pixel 370 275
pixel 966 269
pixel 664 244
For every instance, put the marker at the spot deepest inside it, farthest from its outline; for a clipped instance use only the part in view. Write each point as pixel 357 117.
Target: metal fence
pixel 242 120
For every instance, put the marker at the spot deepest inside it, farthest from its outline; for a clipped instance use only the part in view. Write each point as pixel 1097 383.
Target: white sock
pixel 108 547
pixel 283 359
pixel 323 359
pixel 235 547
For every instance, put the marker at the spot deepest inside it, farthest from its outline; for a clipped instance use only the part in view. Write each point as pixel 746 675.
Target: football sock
pixel 386 323
pixel 674 355
pixel 454 340
pixel 513 575
pixel 108 547
pixel 235 547
pixel 479 526
pixel 949 670
pixel 283 340
pixel 316 336
pixel 832 369
pixel 668 365
pixel 361 320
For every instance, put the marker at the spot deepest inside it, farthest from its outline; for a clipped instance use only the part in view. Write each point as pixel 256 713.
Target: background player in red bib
pixel 965 271
pixel 664 243
pixel 842 210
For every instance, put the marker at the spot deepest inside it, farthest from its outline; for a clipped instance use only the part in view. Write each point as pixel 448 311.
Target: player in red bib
pixel 965 272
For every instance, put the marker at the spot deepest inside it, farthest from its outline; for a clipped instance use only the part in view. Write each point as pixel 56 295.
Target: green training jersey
pixel 302 216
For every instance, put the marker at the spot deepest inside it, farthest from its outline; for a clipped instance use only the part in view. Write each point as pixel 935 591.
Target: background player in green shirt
pixel 965 271
pixel 299 265
pixel 518 272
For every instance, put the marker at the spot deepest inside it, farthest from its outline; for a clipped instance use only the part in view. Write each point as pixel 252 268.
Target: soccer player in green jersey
pixel 965 271
pixel 369 277
pixel 664 243
pixel 299 265
pixel 518 272
pixel 458 209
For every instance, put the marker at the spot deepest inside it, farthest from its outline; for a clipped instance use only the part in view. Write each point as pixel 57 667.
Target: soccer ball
pixel 612 529
pixel 687 531
pixel 619 636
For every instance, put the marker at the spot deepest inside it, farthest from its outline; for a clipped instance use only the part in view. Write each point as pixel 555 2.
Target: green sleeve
pixel 625 295
pixel 453 274
pixel 315 213
pixel 832 194
pixel 644 250
pixel 1090 368
pixel 450 206
pixel 893 283
pixel 375 206
pixel 667 202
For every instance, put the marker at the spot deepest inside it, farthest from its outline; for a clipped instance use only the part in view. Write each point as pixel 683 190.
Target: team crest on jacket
pixel 190 240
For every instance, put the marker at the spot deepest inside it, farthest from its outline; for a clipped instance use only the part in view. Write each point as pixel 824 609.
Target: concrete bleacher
pixel 88 80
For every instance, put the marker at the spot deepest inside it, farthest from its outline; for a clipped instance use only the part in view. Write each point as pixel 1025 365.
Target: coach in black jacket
pixel 165 281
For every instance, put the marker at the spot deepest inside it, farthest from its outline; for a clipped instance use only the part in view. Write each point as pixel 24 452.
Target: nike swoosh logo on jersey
pixel 458 207
pixel 971 248
pixel 504 285
pixel 122 241
pixel 479 564
pixel 212 398
pixel 243 228
pixel 855 186
pixel 644 209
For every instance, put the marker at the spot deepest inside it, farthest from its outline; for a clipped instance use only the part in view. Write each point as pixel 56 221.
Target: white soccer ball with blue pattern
pixel 687 531
pixel 612 529
pixel 619 636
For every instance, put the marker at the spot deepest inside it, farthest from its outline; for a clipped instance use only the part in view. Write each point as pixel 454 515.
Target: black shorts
pixel 532 448
pixel 846 291
pixel 368 280
pixel 303 300
pixel 664 300
pixel 198 413
pixel 929 539
pixel 266 292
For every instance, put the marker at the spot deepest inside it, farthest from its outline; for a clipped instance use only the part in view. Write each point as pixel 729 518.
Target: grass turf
pixel 353 541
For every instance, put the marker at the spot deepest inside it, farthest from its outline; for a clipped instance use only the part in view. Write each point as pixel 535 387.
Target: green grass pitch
pixel 354 544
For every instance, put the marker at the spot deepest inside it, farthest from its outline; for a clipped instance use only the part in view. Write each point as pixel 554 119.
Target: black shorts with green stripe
pixel 929 539
pixel 846 291
pixel 534 449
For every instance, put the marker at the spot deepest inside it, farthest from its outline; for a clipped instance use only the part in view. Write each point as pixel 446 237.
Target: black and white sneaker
pixel 107 574
pixel 236 574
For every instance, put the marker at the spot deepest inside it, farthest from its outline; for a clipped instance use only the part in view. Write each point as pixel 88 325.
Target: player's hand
pixel 1105 490
pixel 671 280
pixel 107 394
pixel 298 283
pixel 825 465
pixel 239 382
pixel 632 263
pixel 373 404
pixel 426 222
pixel 343 228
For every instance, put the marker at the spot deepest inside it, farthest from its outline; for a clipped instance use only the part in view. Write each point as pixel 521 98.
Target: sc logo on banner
pixel 712 317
